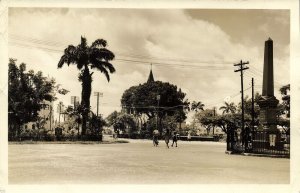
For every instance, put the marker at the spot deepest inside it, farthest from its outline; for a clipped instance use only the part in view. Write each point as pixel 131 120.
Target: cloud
pixel 158 36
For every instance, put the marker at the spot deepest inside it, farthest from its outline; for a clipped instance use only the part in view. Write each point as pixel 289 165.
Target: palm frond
pixel 69 56
pixel 222 107
pixel 99 42
pixel 109 66
pixel 105 72
pixel 102 54
pixel 61 61
pixel 83 42
pixel 98 65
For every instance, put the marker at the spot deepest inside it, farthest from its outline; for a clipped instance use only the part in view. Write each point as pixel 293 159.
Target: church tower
pixel 150 78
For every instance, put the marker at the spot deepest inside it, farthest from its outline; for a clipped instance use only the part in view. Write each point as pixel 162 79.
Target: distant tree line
pixel 172 108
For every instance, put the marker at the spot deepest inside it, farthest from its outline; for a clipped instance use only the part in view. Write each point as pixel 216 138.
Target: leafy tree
pixel 284 124
pixel 228 108
pixel 96 124
pixel 169 122
pixel 284 109
pixel 248 105
pixel 284 90
pixel 110 119
pixel 206 118
pixel 87 58
pixel 27 92
pixel 75 114
pixel 228 123
pixel 125 123
pixel 142 99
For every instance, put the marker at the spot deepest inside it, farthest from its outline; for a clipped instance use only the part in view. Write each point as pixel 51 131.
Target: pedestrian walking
pixel 189 136
pixel 167 137
pixel 175 138
pixel 155 137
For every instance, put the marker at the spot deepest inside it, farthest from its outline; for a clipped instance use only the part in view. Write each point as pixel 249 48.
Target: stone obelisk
pixel 268 102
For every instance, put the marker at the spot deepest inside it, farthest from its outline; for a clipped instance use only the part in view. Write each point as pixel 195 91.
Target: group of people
pixel 167 137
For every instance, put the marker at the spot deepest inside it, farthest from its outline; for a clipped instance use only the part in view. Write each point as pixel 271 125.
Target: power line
pixel 133 61
pixel 39 43
pixel 221 100
pixel 52 43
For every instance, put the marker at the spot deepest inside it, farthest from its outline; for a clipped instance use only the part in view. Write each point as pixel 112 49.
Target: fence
pixel 260 142
pixel 270 143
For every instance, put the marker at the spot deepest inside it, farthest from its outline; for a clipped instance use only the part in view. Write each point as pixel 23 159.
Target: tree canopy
pixel 284 90
pixel 28 92
pixel 142 99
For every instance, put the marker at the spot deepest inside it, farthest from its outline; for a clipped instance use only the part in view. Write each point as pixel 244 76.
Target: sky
pixel 194 49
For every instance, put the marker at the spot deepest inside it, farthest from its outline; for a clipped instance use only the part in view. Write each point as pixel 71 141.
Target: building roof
pixel 150 77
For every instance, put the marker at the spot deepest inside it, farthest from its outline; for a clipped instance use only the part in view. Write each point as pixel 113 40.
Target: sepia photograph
pixel 123 96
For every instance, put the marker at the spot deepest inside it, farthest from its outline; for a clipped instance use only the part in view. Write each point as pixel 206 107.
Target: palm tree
pixel 197 106
pixel 228 108
pixel 87 58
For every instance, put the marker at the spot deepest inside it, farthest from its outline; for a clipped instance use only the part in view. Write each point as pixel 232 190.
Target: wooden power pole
pixel 252 109
pixel 242 67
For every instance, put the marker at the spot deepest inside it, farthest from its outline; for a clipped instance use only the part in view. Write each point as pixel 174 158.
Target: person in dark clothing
pixel 167 137
pixel 155 137
pixel 175 138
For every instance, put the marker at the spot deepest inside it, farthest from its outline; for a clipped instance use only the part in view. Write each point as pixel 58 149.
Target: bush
pixel 25 134
pixel 49 135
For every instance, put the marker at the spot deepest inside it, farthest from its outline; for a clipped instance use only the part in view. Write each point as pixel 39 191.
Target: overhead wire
pixel 44 45
pixel 23 41
pixel 53 43
pixel 161 64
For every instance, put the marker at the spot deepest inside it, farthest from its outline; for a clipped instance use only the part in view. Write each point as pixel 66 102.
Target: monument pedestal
pixel 268 111
pixel 268 119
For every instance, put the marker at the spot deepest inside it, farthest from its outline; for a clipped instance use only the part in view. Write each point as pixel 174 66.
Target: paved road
pixel 140 162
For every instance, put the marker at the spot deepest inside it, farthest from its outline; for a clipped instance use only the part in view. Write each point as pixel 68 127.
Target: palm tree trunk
pixel 86 79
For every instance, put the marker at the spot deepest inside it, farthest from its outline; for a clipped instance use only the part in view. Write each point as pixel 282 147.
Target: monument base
pixel 270 136
pixel 268 117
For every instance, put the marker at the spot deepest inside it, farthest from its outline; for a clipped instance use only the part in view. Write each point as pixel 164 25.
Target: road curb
pixel 258 155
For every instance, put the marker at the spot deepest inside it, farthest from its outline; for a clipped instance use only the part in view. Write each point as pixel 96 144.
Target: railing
pixel 266 143
pixel 261 142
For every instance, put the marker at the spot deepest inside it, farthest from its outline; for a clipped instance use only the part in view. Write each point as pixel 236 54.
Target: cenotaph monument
pixel 268 102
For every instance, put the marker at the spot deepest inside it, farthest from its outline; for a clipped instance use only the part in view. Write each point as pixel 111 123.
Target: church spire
pixel 150 78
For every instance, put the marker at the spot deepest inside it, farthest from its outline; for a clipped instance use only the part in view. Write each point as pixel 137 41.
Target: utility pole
pixel 59 111
pixel 241 69
pixel 252 113
pixel 181 118
pixel 50 107
pixel 214 117
pixel 98 94
pixel 73 100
